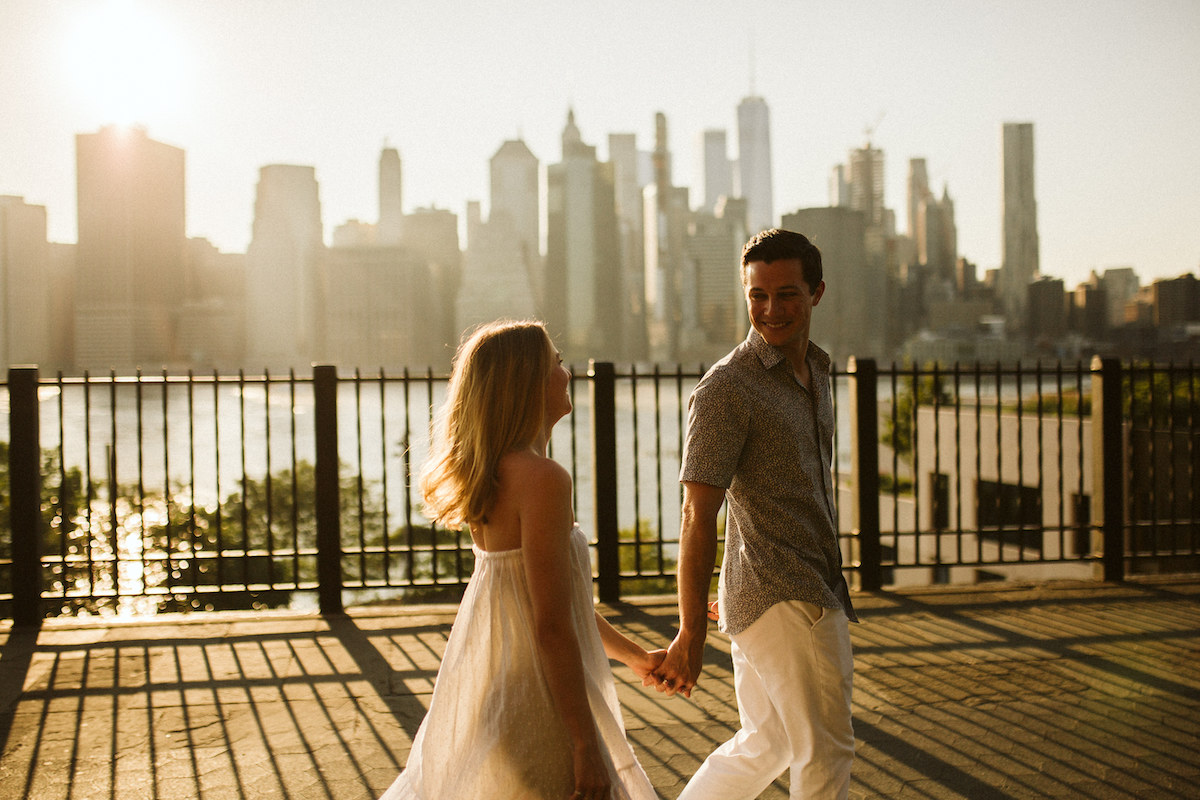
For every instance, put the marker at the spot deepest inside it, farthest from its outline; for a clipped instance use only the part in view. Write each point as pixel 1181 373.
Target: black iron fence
pixel 145 493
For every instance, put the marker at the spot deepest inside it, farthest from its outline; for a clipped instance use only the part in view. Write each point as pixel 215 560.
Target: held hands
pixel 645 668
pixel 679 672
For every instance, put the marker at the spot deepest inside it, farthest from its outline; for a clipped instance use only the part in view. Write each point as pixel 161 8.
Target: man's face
pixel 779 301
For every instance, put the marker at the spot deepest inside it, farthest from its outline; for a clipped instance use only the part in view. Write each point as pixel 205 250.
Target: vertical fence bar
pixel 328 501
pixel 25 485
pixel 604 477
pixel 1108 462
pixel 864 466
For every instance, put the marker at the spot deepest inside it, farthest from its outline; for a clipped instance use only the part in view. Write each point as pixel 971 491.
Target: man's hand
pixel 679 672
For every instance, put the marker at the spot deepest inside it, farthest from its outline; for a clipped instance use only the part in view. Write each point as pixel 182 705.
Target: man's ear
pixel 818 293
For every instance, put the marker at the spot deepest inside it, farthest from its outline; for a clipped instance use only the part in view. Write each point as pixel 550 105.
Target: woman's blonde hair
pixel 495 404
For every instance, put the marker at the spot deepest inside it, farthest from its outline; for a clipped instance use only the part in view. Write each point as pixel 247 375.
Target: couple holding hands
pixel 525 705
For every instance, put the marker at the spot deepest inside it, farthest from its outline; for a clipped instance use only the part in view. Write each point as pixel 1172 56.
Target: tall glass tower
pixel 1019 265
pixel 754 163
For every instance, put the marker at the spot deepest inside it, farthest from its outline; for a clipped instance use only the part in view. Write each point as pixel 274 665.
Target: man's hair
pixel 779 245
pixel 495 404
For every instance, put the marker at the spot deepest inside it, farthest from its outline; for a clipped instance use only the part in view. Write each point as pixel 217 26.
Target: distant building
pixel 496 283
pixel 839 187
pixel 1019 256
pixel 1176 301
pixel 937 237
pixel 515 194
pixel 670 317
pixel 391 197
pixel 130 252
pixel 583 294
pixel 626 162
pixel 212 319
pixel 918 192
pixel 865 184
pixel 1120 286
pixel 713 251
pixel 379 309
pixel 1046 317
pixel 715 169
pixel 432 234
pixel 851 317
pixel 1089 312
pixel 25 271
pixel 355 233
pixel 283 301
pixel 754 181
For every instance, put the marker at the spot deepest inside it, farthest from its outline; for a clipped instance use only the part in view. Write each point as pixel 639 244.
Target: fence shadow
pixel 298 708
pixel 1078 692
pixel 1086 694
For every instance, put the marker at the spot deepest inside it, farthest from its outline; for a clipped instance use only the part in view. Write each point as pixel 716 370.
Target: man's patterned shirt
pixel 754 430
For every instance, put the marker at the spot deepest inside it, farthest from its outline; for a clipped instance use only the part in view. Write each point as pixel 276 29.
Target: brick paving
pixel 1062 690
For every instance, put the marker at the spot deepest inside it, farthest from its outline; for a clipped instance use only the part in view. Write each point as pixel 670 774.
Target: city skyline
pixel 240 86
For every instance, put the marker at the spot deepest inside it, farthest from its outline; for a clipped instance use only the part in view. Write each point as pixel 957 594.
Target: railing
pixel 158 492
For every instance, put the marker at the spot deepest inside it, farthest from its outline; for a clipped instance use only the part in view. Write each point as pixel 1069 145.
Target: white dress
pixel 492 730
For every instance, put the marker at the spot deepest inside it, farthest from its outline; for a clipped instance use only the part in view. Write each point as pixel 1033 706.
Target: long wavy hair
pixel 495 404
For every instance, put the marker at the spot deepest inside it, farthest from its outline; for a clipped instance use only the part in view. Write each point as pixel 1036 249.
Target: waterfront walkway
pixel 1063 690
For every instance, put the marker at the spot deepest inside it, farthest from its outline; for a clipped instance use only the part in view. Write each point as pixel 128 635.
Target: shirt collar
pixel 771 356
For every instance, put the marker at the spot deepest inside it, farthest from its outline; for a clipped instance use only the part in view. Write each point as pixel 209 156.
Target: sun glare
pixel 124 62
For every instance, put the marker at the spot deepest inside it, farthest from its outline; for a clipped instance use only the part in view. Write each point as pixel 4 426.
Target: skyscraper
pixel 25 321
pixel 1019 257
pixel 754 163
pixel 433 234
pixel 391 196
pixel 937 237
pixel 865 186
pixel 670 317
pixel 850 320
pixel 583 268
pixel 130 252
pixel 716 170
pixel 627 195
pixel 515 196
pixel 713 250
pixel 918 191
pixel 496 280
pixel 282 304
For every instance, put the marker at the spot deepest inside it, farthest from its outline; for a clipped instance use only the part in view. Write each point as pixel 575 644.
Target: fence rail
pixel 137 494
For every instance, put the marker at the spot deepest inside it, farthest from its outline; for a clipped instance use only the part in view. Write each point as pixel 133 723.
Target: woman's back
pixel 533 498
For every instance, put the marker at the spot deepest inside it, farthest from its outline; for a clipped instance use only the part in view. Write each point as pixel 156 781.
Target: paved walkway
pixel 1066 690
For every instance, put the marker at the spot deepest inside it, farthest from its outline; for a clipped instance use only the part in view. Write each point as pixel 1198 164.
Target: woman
pixel 524 705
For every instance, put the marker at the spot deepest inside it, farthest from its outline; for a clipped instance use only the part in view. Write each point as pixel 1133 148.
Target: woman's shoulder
pixel 529 471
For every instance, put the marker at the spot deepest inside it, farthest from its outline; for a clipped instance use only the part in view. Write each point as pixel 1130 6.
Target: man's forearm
pixel 697 557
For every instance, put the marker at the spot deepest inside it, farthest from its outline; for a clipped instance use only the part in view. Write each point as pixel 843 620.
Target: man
pixel 760 435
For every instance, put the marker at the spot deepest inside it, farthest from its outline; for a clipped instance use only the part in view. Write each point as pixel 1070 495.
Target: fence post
pixel 604 477
pixel 25 485
pixel 328 499
pixel 864 469
pixel 1108 463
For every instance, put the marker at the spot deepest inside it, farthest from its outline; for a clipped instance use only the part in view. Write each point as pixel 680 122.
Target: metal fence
pixel 139 494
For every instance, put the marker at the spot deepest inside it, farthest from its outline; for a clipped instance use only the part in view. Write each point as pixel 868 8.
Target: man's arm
pixel 680 670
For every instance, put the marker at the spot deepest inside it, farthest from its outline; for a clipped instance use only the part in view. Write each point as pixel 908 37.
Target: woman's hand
pixel 645 668
pixel 592 781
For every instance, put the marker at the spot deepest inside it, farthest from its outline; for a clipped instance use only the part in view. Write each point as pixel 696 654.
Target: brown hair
pixel 495 404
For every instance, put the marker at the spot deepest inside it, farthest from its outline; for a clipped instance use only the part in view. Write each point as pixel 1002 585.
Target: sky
pixel 1111 86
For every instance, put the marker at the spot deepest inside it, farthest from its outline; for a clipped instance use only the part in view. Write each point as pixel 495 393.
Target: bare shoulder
pixel 526 472
pixel 540 491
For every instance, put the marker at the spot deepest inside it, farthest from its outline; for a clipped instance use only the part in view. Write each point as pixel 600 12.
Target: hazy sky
pixel 1112 87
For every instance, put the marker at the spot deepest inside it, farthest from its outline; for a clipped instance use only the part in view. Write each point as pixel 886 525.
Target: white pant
pixel 792 672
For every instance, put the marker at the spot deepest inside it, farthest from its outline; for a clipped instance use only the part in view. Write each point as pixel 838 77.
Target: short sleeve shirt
pixel 757 432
